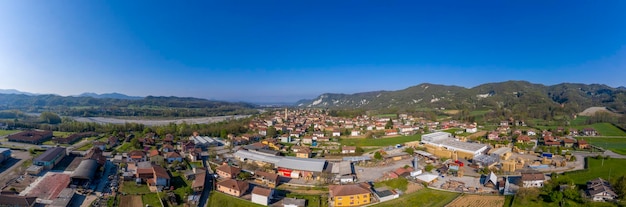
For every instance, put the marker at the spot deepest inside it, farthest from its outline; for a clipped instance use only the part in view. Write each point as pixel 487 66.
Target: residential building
pixel 137 156
pixel 173 156
pixel 304 153
pixel 265 178
pixel 600 190
pixel 350 195
pixel 533 179
pixel 227 171
pixel 294 202
pixel 50 157
pixel 233 187
pixel 348 149
pixel 198 182
pixel 261 195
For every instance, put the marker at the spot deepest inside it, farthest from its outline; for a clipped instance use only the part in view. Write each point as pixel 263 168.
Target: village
pixel 294 157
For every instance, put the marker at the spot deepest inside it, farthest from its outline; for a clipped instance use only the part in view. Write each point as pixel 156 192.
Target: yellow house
pixel 350 195
pixel 272 143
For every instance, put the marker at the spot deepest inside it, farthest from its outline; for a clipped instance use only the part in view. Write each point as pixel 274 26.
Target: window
pixel 338 198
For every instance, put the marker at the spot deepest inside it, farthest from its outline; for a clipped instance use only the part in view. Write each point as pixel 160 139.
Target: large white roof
pixel 295 163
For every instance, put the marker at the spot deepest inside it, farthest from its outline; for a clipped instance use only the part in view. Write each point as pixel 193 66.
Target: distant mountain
pixel 13 91
pixel 516 96
pixel 122 105
pixel 110 95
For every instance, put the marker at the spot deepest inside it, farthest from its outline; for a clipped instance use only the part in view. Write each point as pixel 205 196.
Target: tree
pixel 429 167
pixel 620 186
pixel 135 143
pixel 378 156
pixel 50 118
pixel 359 150
pixel 271 132
pixel 244 175
pixel 409 150
pixel 389 124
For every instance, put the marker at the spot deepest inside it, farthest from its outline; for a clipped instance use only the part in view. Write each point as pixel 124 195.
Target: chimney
pixel 415 163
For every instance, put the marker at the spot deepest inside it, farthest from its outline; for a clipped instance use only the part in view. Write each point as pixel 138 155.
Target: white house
pixel 355 133
pixel 336 133
pixel 533 179
pixel 261 195
pixel 471 129
pixel 531 133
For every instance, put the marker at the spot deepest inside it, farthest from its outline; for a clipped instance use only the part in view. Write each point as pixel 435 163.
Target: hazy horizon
pixel 281 51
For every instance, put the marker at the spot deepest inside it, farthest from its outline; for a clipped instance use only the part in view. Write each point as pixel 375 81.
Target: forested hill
pixel 148 106
pixel 518 97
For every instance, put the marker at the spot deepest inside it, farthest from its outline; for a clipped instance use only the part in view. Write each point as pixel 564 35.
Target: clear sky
pixel 270 51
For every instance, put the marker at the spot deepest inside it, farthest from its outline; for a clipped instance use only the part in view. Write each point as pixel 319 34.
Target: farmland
pixel 131 201
pixel 596 169
pixel 7 132
pixel 223 200
pixel 380 141
pixel 617 145
pixel 426 198
pixel 477 201
pixel 605 129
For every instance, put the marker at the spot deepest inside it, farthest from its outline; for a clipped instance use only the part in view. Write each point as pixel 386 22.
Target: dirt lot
pixel 592 111
pixel 12 168
pixel 131 201
pixel 477 201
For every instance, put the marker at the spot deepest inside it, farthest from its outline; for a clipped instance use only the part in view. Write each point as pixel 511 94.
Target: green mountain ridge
pixel 514 96
pixel 147 106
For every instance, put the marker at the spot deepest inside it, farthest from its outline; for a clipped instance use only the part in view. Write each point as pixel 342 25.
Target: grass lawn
pixel 131 188
pixel 398 183
pixel 311 200
pixel 607 129
pixel 617 145
pixel 223 200
pixel 151 199
pixel 85 147
pixel 7 132
pixel 49 142
pixel 425 198
pixel 61 134
pixel 380 141
pixel 182 187
pixel 125 147
pixel 595 169
pixel 580 120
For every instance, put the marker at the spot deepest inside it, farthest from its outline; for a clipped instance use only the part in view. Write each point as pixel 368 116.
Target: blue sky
pixel 270 51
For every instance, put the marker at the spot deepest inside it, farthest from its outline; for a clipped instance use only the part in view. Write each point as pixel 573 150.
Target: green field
pixel 617 145
pixel 223 200
pixel 151 199
pixel 580 120
pixel 7 132
pixel 61 134
pixel 425 198
pixel 595 169
pixel 131 188
pixel 398 183
pixel 85 147
pixel 605 129
pixel 380 141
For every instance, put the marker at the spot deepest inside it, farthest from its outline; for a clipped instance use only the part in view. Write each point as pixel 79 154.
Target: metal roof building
pixel 85 170
pixel 306 164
